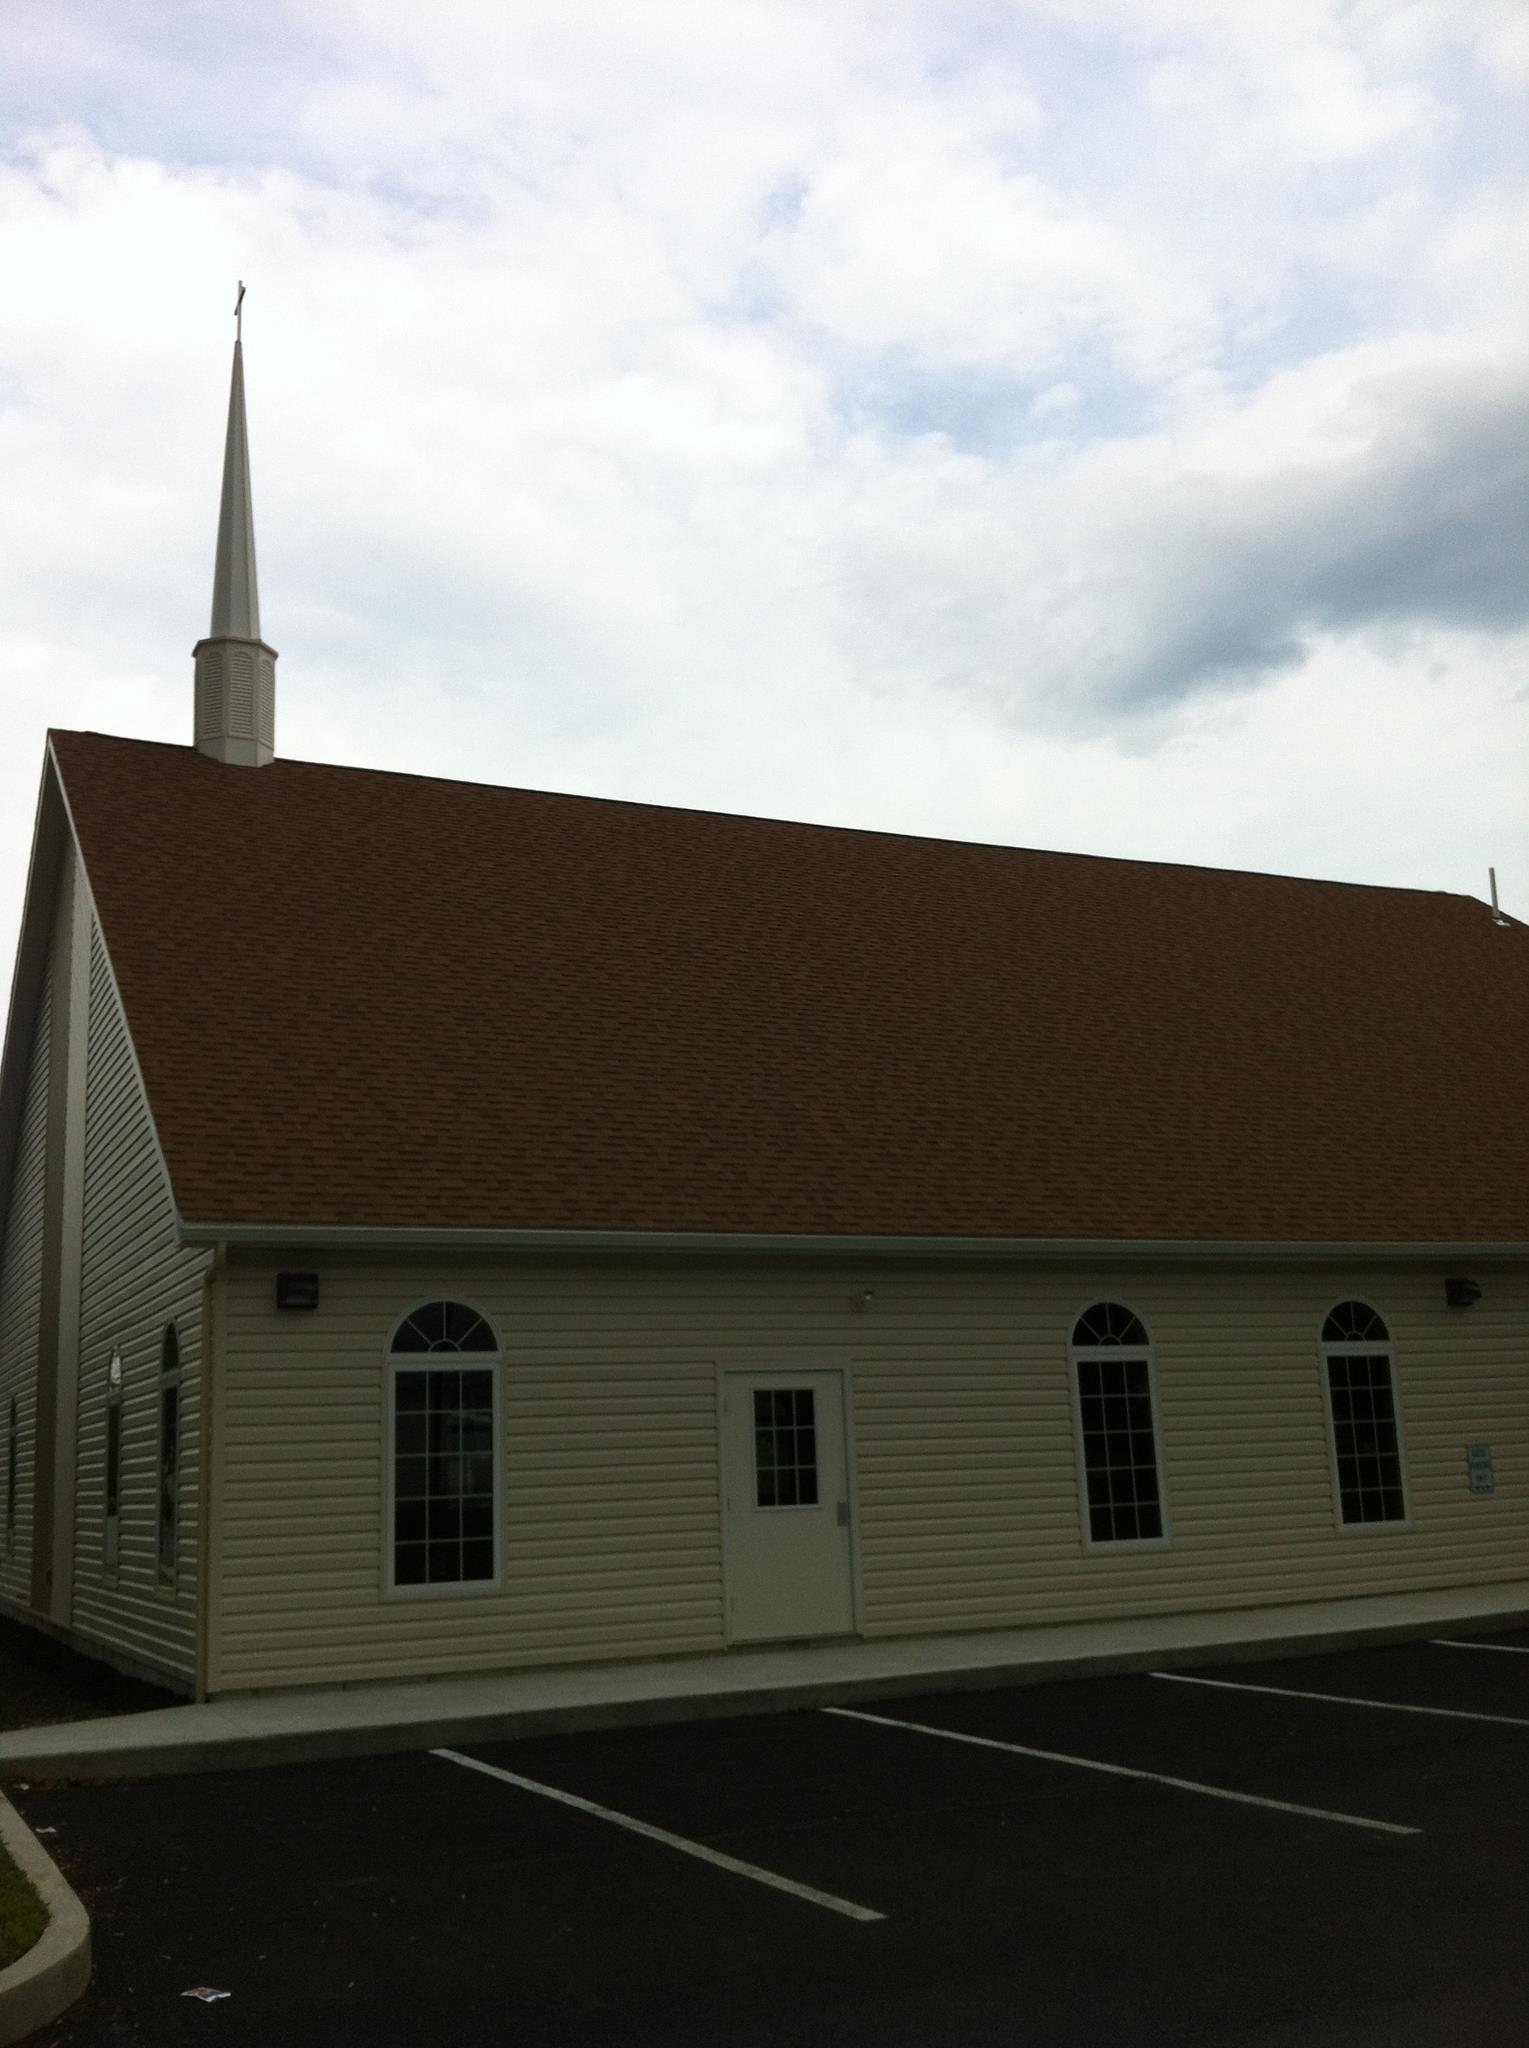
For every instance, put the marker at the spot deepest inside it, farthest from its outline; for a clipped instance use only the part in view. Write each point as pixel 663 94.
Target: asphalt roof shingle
pixel 363 998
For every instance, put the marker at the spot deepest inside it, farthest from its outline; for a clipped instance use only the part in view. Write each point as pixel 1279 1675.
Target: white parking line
pixel 1506 1649
pixel 1089 1763
pixel 641 1827
pixel 1339 1699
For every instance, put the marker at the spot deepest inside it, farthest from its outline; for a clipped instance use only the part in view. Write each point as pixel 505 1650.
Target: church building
pixel 448 1228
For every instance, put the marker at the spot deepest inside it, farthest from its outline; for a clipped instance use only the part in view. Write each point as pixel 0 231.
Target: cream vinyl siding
pixel 969 1488
pixel 21 1307
pixel 134 1279
pixel 962 1442
pixel 609 1511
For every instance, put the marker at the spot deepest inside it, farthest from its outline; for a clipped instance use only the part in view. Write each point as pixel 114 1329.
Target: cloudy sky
pixel 1098 424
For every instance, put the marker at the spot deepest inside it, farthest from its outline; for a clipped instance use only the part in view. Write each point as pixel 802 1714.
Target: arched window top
pixel 1354 1322
pixel 1108 1322
pixel 169 1350
pixel 444 1326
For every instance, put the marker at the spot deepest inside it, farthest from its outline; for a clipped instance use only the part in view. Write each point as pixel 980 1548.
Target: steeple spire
pixel 235 670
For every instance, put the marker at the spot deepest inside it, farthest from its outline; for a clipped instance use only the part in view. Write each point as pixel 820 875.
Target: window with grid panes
pixel 445 1471
pixel 112 1503
pixel 169 1454
pixel 11 1434
pixel 785 1448
pixel 1366 1443
pixel 1111 1357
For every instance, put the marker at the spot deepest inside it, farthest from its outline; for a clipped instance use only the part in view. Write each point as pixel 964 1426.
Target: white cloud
pixel 1083 425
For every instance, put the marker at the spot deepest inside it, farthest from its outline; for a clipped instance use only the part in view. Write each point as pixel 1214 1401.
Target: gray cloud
pixel 1428 526
pixel 1130 577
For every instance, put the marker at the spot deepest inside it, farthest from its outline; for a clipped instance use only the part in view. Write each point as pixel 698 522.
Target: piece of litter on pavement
pixel 206 1994
pixel 45 1831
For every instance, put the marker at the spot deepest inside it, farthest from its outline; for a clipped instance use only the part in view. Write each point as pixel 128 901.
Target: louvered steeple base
pixel 236 700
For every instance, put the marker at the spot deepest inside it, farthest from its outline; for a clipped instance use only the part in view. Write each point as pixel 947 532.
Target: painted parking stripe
pixel 1505 1649
pixel 1089 1763
pixel 686 1848
pixel 1340 1699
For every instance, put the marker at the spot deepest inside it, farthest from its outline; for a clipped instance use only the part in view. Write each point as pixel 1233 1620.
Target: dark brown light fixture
pixel 297 1290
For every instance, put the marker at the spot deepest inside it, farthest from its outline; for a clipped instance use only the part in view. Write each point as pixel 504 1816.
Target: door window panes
pixel 785 1448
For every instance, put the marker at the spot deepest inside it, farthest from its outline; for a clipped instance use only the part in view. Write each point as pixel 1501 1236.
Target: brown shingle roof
pixel 366 998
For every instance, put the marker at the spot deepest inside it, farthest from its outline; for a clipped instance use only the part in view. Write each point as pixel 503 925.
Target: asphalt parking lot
pixel 1219 1857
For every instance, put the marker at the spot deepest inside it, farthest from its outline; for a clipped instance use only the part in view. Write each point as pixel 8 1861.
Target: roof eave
pixel 50 828
pixel 73 832
pixel 774 1244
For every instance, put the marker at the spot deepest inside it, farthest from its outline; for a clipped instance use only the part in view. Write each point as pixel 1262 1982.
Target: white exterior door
pixel 785 1485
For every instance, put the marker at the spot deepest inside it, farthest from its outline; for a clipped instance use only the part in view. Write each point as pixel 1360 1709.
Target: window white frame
pixel 395 1362
pixel 12 1465
pixel 111 1466
pixel 1115 1546
pixel 168 1390
pixel 774 1426
pixel 1355 1349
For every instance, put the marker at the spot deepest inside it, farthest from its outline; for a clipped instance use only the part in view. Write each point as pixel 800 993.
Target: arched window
pixel 1361 1413
pixel 443 1464
pixel 1111 1358
pixel 169 1453
pixel 444 1326
pixel 1354 1322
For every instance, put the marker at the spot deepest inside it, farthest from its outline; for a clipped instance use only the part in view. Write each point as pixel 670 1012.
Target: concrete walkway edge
pixel 55 1970
pixel 237 1731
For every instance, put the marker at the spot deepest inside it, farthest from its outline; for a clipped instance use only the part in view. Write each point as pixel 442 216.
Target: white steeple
pixel 235 670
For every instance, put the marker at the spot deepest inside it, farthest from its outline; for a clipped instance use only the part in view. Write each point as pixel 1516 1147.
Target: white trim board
pixel 1115 1251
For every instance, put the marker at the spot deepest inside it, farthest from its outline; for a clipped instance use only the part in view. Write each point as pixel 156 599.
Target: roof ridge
pixel 288 762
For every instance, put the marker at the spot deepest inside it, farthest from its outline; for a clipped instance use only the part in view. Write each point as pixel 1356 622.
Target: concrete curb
pixel 379 1736
pixel 56 1969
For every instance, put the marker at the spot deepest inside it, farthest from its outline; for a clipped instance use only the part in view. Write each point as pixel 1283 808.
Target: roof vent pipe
pixel 1497 916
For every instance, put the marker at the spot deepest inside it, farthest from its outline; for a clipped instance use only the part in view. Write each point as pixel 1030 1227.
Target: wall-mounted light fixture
pixel 861 1302
pixel 297 1290
pixel 1462 1293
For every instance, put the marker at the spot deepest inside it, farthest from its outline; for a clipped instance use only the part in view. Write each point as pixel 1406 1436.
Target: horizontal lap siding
pixel 21 1310
pixel 968 1463
pixel 965 1455
pixel 135 1278
pixel 610 1532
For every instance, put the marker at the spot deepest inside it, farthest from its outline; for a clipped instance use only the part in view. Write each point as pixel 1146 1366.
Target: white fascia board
pixel 111 972
pixel 33 947
pixel 748 1244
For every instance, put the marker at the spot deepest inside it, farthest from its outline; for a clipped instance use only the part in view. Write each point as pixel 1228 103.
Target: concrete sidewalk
pixel 362 1720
